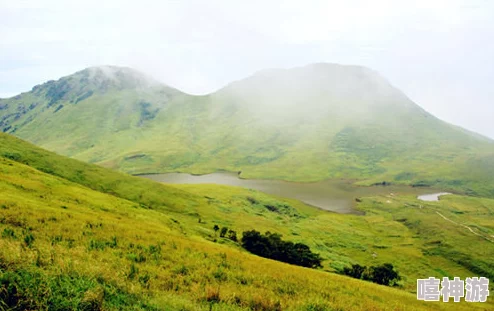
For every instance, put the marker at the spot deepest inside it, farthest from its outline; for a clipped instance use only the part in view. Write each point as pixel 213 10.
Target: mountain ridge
pixel 307 123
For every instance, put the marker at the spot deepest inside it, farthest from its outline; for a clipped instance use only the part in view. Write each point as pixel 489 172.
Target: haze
pixel 438 52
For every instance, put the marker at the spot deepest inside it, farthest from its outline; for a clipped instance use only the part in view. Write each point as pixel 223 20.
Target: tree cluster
pixel 270 245
pixel 226 233
pixel 383 274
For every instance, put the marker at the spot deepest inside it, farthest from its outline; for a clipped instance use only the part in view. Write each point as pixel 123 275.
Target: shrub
pixel 272 246
pixel 355 271
pixel 223 232
pixel 383 274
pixel 232 235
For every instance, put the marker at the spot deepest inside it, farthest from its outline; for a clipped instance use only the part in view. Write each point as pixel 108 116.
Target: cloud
pixel 438 52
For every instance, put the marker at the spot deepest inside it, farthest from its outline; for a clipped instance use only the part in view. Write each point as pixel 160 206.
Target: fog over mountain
pixel 437 52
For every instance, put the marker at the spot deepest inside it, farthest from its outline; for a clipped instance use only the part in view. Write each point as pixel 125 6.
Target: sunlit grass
pixel 123 249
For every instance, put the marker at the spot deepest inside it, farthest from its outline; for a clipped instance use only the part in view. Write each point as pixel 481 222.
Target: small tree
pixel 223 232
pixel 232 235
pixel 355 271
pixel 385 274
pixel 216 228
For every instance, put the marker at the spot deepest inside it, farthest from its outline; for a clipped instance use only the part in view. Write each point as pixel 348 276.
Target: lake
pixel 331 195
pixel 432 197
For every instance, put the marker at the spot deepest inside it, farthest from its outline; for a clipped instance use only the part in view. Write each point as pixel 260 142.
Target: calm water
pixel 332 195
pixel 432 197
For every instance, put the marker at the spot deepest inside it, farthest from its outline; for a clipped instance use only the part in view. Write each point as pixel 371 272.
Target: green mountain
pixel 302 124
pixel 76 236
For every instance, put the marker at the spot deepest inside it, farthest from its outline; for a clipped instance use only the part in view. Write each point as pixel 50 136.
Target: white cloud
pixel 438 52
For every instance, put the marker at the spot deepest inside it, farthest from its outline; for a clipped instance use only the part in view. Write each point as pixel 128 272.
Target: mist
pixel 438 53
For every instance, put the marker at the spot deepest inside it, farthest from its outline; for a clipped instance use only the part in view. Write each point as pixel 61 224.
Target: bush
pixel 383 274
pixel 232 235
pixel 272 246
pixel 356 271
pixel 223 232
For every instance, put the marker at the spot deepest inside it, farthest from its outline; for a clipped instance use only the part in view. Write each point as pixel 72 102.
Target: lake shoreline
pixel 333 195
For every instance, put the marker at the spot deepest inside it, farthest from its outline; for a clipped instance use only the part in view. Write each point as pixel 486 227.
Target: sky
pixel 440 53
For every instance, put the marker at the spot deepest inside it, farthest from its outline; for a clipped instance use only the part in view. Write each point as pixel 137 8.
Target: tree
pixel 223 232
pixel 270 245
pixel 356 271
pixel 216 228
pixel 232 235
pixel 384 274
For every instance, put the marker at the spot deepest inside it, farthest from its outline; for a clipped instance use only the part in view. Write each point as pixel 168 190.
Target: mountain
pixel 302 124
pixel 76 236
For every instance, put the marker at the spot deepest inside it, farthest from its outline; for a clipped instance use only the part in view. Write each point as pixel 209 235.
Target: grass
pixel 72 241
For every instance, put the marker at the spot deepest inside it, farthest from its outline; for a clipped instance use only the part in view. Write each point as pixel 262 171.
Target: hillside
pixel 78 236
pixel 303 124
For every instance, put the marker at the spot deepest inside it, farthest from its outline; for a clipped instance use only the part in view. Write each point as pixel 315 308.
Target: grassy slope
pixel 87 241
pixel 301 124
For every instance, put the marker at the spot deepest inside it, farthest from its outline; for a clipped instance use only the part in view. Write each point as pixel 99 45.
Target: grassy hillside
pixel 78 236
pixel 303 124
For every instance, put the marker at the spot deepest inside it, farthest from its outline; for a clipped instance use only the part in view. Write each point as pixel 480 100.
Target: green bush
pixel 272 246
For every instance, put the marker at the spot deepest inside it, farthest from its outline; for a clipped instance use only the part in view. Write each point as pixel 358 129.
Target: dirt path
pixel 465 226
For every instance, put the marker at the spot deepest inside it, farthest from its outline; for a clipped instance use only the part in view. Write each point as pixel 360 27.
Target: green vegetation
pixel 77 236
pixel 270 245
pixel 302 124
pixel 383 274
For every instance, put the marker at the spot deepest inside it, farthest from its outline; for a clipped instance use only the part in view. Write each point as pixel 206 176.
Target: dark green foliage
pixel 252 200
pixel 355 271
pixel 421 184
pixel 272 246
pixel 223 232
pixel 232 235
pixel 8 233
pixel 29 239
pixel 140 257
pixel 133 271
pixel 12 156
pixel 384 183
pixel 216 228
pixel 101 245
pixel 383 274
pixel 144 280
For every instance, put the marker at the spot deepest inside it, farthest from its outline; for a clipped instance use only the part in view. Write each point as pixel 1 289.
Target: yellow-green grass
pixel 418 241
pixel 97 237
pixel 91 232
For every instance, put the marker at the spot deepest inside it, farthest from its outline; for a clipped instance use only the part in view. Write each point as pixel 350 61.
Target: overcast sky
pixel 440 53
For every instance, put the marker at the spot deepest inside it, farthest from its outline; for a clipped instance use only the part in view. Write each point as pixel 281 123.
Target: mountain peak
pixel 94 80
pixel 123 77
pixel 349 89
